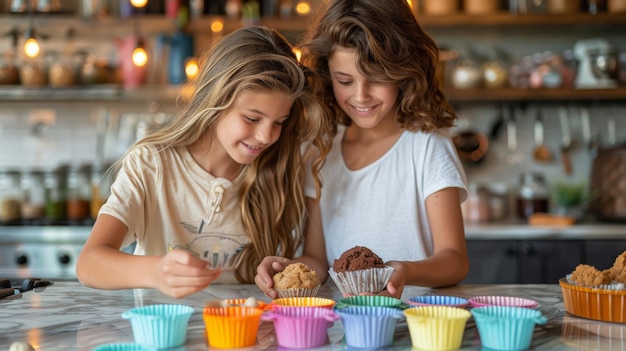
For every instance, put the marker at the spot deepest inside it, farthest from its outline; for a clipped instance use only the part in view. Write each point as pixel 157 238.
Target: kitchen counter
pixel 68 316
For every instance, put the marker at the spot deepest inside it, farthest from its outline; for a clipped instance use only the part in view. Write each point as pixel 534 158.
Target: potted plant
pixel 571 198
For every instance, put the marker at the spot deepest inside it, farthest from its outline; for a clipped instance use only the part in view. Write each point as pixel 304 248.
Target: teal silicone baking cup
pixel 159 326
pixel 506 327
pixel 122 347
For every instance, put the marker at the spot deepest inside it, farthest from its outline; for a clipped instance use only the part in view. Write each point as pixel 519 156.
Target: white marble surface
pixel 67 316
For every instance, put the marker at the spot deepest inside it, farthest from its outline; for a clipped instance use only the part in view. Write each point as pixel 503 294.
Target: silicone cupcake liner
pixel 301 327
pixel 231 327
pixel 436 327
pixel 122 347
pixel 159 326
pixel 372 280
pixel 480 301
pixel 438 300
pixel 301 292
pixel 369 326
pixel 287 302
pixel 597 304
pixel 506 328
pixel 371 300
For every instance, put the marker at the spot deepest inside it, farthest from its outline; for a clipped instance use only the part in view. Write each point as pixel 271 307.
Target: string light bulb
pixel 139 3
pixel 192 68
pixel 31 45
pixel 303 8
pixel 139 55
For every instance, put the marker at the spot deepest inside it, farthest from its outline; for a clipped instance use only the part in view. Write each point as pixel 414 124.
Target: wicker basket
pixel 597 304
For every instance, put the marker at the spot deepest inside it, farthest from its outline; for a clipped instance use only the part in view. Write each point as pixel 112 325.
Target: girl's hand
pixel 266 270
pixel 179 273
pixel 395 286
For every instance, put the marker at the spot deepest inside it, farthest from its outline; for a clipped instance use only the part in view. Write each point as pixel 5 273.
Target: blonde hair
pixel 272 200
pixel 391 48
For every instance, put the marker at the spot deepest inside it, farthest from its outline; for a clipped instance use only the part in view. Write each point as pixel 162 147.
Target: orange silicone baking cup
pixel 231 327
pixel 597 304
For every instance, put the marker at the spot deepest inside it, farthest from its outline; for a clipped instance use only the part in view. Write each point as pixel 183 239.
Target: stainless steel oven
pixel 40 251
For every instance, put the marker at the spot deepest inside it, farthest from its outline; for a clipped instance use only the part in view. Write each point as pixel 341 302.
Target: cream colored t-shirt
pixel 169 202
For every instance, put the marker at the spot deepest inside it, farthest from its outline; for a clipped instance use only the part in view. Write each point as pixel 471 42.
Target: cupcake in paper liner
pixel 296 280
pixel 359 270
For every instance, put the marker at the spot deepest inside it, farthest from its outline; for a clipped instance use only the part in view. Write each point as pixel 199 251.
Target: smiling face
pixel 252 124
pixel 366 103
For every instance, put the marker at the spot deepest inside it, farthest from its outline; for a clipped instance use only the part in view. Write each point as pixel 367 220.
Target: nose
pixel 263 133
pixel 362 92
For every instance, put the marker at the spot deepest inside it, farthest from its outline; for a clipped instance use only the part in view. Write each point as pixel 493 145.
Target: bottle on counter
pixel 10 197
pixel 532 196
pixel 34 190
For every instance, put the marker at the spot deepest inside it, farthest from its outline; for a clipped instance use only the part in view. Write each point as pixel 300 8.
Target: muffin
pixel 359 270
pixel 296 280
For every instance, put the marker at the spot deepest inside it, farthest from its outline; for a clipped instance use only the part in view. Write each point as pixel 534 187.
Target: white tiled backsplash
pixel 55 133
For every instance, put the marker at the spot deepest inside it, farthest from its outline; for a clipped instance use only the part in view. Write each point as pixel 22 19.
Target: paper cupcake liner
pixel 612 286
pixel 159 326
pixel 301 292
pixel 231 327
pixel 372 280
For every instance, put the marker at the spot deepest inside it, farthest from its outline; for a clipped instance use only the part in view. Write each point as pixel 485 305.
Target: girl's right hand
pixel 179 273
pixel 266 270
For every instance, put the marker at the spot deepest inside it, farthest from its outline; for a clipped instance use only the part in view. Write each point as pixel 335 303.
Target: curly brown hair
pixel 391 47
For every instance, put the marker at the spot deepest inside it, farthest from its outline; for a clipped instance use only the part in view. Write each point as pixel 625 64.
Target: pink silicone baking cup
pixel 301 327
pixel 480 301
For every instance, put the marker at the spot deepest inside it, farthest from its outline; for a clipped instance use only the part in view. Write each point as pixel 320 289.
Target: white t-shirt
pixel 382 206
pixel 168 202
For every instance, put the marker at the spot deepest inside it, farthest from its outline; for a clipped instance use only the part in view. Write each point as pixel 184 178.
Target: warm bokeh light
pixel 139 57
pixel 298 53
pixel 191 68
pixel 31 47
pixel 303 8
pixel 217 26
pixel 139 3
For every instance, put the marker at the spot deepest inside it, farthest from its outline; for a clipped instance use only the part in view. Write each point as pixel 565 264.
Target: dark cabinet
pixel 522 261
pixel 536 261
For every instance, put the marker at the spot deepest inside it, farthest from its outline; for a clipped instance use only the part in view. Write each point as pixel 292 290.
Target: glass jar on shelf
pixel 34 190
pixel 476 209
pixel 55 210
pixel 79 193
pixel 532 196
pixel 10 197
pixel 101 181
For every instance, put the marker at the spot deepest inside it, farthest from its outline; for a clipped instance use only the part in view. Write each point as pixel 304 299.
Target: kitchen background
pixel 519 73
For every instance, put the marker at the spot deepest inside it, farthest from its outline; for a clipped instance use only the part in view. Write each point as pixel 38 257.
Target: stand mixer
pixel 597 64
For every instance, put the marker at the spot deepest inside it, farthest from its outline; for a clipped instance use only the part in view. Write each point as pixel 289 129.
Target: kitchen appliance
pixel 47 252
pixel 608 184
pixel 597 64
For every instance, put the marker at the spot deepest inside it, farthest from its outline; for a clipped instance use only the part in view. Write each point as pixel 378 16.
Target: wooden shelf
pixel 546 95
pixel 506 19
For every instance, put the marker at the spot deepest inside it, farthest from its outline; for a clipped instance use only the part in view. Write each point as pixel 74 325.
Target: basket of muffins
pixel 589 292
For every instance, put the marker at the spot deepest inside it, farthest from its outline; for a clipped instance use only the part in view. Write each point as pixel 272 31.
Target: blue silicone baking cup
pixel 159 326
pixel 506 327
pixel 369 326
pixel 438 300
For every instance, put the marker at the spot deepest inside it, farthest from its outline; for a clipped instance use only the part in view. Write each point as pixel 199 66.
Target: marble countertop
pixel 67 316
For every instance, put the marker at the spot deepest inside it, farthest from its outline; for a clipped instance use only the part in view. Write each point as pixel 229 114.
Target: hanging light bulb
pixel 192 68
pixel 139 55
pixel 31 45
pixel 139 3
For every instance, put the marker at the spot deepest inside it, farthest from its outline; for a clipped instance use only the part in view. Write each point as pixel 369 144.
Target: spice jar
pixel 476 209
pixel 55 211
pixel 101 181
pixel 532 195
pixel 10 197
pixel 34 190
pixel 79 193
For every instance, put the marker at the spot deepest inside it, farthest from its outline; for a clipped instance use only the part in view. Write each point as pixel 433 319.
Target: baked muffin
pixel 590 276
pixel 359 270
pixel 296 280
